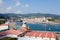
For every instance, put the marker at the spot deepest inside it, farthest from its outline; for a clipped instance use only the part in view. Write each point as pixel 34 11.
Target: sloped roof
pixel 4 25
pixel 12 31
pixel 41 34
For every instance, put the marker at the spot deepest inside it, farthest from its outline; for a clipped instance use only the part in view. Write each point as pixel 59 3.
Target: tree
pixel 2 21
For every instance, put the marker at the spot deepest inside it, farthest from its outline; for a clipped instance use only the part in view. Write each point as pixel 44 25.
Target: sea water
pixel 43 27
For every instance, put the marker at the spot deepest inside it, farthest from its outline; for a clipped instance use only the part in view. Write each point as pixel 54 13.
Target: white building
pixel 11 33
pixel 4 26
pixel 34 35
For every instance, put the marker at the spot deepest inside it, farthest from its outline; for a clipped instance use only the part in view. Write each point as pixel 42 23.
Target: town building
pixel 26 33
pixel 4 26
pixel 35 35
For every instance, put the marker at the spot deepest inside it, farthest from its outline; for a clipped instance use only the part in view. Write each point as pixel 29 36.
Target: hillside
pixel 7 15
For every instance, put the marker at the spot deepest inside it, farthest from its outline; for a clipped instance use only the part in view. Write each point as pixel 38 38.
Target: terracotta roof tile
pixel 41 34
pixel 4 25
pixel 12 31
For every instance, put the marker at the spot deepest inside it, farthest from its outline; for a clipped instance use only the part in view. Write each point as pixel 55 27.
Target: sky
pixel 30 6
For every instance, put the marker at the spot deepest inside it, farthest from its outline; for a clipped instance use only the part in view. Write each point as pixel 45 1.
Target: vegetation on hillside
pixel 54 19
pixel 2 21
pixel 8 38
pixel 51 19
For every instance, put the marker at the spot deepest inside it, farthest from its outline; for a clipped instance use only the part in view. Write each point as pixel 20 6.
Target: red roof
pixel 12 31
pixel 41 34
pixel 4 25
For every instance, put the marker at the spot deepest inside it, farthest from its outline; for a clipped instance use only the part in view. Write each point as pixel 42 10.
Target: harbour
pixel 43 27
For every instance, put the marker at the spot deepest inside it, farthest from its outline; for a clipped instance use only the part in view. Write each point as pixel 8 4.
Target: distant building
pixel 49 17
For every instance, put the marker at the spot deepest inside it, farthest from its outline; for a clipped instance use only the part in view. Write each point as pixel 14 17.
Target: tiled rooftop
pixel 4 25
pixel 12 31
pixel 41 34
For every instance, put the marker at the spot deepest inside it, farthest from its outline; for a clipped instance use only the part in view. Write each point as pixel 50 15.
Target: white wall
pixel 34 38
pixel 3 27
pixel 29 38
pixel 11 35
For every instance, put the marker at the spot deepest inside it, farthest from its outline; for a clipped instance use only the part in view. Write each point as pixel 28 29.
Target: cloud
pixel 17 12
pixel 1 2
pixel 9 8
pixel 18 3
pixel 26 5
pixel 5 8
